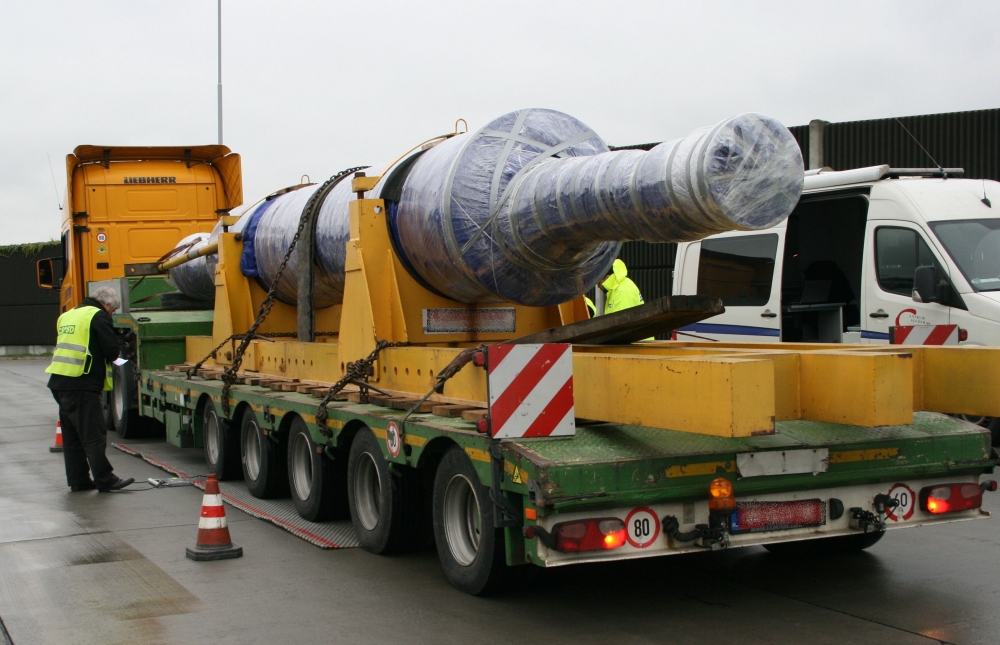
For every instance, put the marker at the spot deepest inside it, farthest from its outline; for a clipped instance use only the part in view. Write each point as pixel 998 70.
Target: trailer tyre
pixel 263 460
pixel 826 546
pixel 222 449
pixel 383 509
pixel 124 418
pixel 470 548
pixel 318 484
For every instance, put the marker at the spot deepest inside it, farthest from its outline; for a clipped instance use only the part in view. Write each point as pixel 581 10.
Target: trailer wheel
pixel 317 483
pixel 383 509
pixel 124 418
pixel 825 546
pixel 263 460
pixel 470 548
pixel 222 451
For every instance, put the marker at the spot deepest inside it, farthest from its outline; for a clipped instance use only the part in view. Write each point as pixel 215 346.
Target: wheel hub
pixel 462 521
pixel 302 467
pixel 252 451
pixel 367 491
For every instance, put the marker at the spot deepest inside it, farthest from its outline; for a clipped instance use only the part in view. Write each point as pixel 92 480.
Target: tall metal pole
pixel 220 72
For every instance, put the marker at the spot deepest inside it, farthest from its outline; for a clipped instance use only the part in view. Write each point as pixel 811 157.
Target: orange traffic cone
pixel 213 542
pixel 58 446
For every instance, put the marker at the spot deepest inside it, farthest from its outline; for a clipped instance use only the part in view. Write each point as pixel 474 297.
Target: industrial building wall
pixel 966 140
pixel 969 140
pixel 28 314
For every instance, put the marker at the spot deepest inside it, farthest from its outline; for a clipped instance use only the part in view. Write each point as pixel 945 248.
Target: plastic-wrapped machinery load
pixel 196 278
pixel 193 278
pixel 533 207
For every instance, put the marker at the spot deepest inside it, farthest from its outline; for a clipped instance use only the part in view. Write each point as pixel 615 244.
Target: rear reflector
pixel 754 517
pixel 589 535
pixel 948 498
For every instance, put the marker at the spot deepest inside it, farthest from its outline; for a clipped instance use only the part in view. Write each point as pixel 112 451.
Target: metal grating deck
pixel 189 464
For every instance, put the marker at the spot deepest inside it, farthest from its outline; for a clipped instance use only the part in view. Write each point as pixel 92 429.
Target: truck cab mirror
pixel 46 273
pixel 925 285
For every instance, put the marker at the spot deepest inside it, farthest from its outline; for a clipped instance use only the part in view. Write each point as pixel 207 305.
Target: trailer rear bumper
pixel 820 508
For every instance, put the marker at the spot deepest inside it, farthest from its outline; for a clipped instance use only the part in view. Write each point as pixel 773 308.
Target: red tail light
pixel 948 498
pixel 589 535
pixel 963 335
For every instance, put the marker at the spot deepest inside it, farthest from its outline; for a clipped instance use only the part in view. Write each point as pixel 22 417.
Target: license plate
pixel 756 517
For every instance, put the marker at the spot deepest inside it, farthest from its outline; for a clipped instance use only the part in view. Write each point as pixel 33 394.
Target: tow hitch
pixel 714 536
pixel 868 522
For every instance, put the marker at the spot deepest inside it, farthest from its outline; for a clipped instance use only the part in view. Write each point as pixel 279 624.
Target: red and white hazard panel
pixel 925 335
pixel 531 390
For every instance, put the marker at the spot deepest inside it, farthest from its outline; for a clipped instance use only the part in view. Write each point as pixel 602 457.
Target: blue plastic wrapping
pixel 277 226
pixel 532 208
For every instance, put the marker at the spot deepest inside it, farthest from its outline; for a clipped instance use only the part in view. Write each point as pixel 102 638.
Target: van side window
pixel 898 253
pixel 738 269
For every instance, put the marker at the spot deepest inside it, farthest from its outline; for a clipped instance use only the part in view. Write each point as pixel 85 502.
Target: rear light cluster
pixel 948 498
pixel 589 535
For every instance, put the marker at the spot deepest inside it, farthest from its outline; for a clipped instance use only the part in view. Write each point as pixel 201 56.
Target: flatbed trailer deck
pixel 610 470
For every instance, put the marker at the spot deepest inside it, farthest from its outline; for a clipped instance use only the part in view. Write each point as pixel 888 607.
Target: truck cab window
pixel 898 253
pixel 738 269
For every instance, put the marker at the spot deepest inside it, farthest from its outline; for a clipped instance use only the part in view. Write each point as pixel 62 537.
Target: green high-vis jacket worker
pixel 622 292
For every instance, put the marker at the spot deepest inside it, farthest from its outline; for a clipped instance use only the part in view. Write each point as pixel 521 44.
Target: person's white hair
pixel 107 297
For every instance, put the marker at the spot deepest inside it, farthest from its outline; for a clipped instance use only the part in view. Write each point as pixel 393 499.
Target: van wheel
pixel 826 546
pixel 470 548
pixel 263 460
pixel 222 449
pixel 124 418
pixel 317 483
pixel 383 507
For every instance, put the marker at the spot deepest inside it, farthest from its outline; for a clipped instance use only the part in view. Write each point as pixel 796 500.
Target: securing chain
pixel 229 374
pixel 356 373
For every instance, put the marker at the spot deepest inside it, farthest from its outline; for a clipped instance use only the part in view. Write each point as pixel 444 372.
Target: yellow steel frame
pixel 722 389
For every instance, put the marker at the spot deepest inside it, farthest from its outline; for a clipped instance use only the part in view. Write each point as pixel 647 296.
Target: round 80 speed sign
pixel 642 527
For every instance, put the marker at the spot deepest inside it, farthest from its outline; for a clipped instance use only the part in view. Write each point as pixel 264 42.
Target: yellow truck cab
pixel 130 205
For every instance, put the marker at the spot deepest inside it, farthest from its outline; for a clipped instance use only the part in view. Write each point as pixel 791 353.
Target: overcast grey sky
pixel 314 87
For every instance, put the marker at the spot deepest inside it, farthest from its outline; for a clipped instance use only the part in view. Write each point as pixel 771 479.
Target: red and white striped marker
pixel 531 390
pixel 924 335
pixel 213 542
pixel 58 446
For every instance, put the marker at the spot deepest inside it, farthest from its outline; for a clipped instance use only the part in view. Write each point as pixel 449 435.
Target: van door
pixel 742 270
pixel 894 251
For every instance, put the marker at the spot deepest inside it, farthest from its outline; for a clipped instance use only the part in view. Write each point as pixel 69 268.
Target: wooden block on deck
pixel 451 410
pixel 354 397
pixel 408 404
pixel 475 414
pixel 382 400
pixel 183 367
pixel 284 386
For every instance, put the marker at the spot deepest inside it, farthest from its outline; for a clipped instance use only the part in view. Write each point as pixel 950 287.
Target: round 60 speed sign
pixel 904 495
pixel 642 527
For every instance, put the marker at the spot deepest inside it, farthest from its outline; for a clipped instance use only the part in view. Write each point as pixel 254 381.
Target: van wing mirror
pixel 925 284
pixel 45 273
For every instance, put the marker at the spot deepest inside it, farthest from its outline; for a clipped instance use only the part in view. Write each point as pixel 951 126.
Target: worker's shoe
pixel 118 485
pixel 82 487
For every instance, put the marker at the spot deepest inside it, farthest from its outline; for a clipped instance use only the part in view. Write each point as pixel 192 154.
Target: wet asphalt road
pixel 110 568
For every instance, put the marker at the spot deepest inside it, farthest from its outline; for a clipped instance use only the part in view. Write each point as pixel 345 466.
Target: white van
pixel 842 267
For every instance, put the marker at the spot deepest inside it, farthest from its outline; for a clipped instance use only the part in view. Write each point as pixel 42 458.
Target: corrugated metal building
pixel 969 140
pixel 28 312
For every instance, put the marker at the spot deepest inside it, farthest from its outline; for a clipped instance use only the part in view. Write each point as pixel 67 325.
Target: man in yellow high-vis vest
pixel 80 371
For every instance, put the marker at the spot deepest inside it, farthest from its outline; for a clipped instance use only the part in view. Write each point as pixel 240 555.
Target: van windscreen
pixel 974 245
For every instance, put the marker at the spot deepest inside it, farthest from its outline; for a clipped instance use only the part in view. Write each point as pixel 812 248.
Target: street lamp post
pixel 220 72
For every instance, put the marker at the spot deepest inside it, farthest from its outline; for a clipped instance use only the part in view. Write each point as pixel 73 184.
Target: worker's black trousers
pixel 84 438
